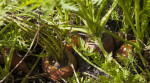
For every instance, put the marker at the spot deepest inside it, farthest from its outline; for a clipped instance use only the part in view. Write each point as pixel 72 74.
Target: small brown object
pixel 15 60
pixel 122 51
pixel 58 73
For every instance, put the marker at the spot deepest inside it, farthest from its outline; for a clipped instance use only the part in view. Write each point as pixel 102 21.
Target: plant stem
pixel 137 2
pixel 137 23
pixel 100 45
pixel 142 58
pixel 98 16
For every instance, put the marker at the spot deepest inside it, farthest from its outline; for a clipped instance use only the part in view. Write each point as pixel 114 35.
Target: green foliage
pixel 115 15
pixel 68 5
pixel 12 34
pixel 90 52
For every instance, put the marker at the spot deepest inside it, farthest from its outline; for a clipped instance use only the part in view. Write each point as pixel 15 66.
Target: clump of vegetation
pixel 101 32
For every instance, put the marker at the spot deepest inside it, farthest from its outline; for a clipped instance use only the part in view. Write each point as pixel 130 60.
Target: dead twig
pixel 75 73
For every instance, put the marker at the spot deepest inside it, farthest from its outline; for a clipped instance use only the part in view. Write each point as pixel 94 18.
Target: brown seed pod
pixel 122 51
pixel 15 60
pixel 58 73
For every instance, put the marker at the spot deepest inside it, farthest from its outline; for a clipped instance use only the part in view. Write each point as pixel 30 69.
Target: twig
pixel 63 80
pixel 142 42
pixel 75 73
